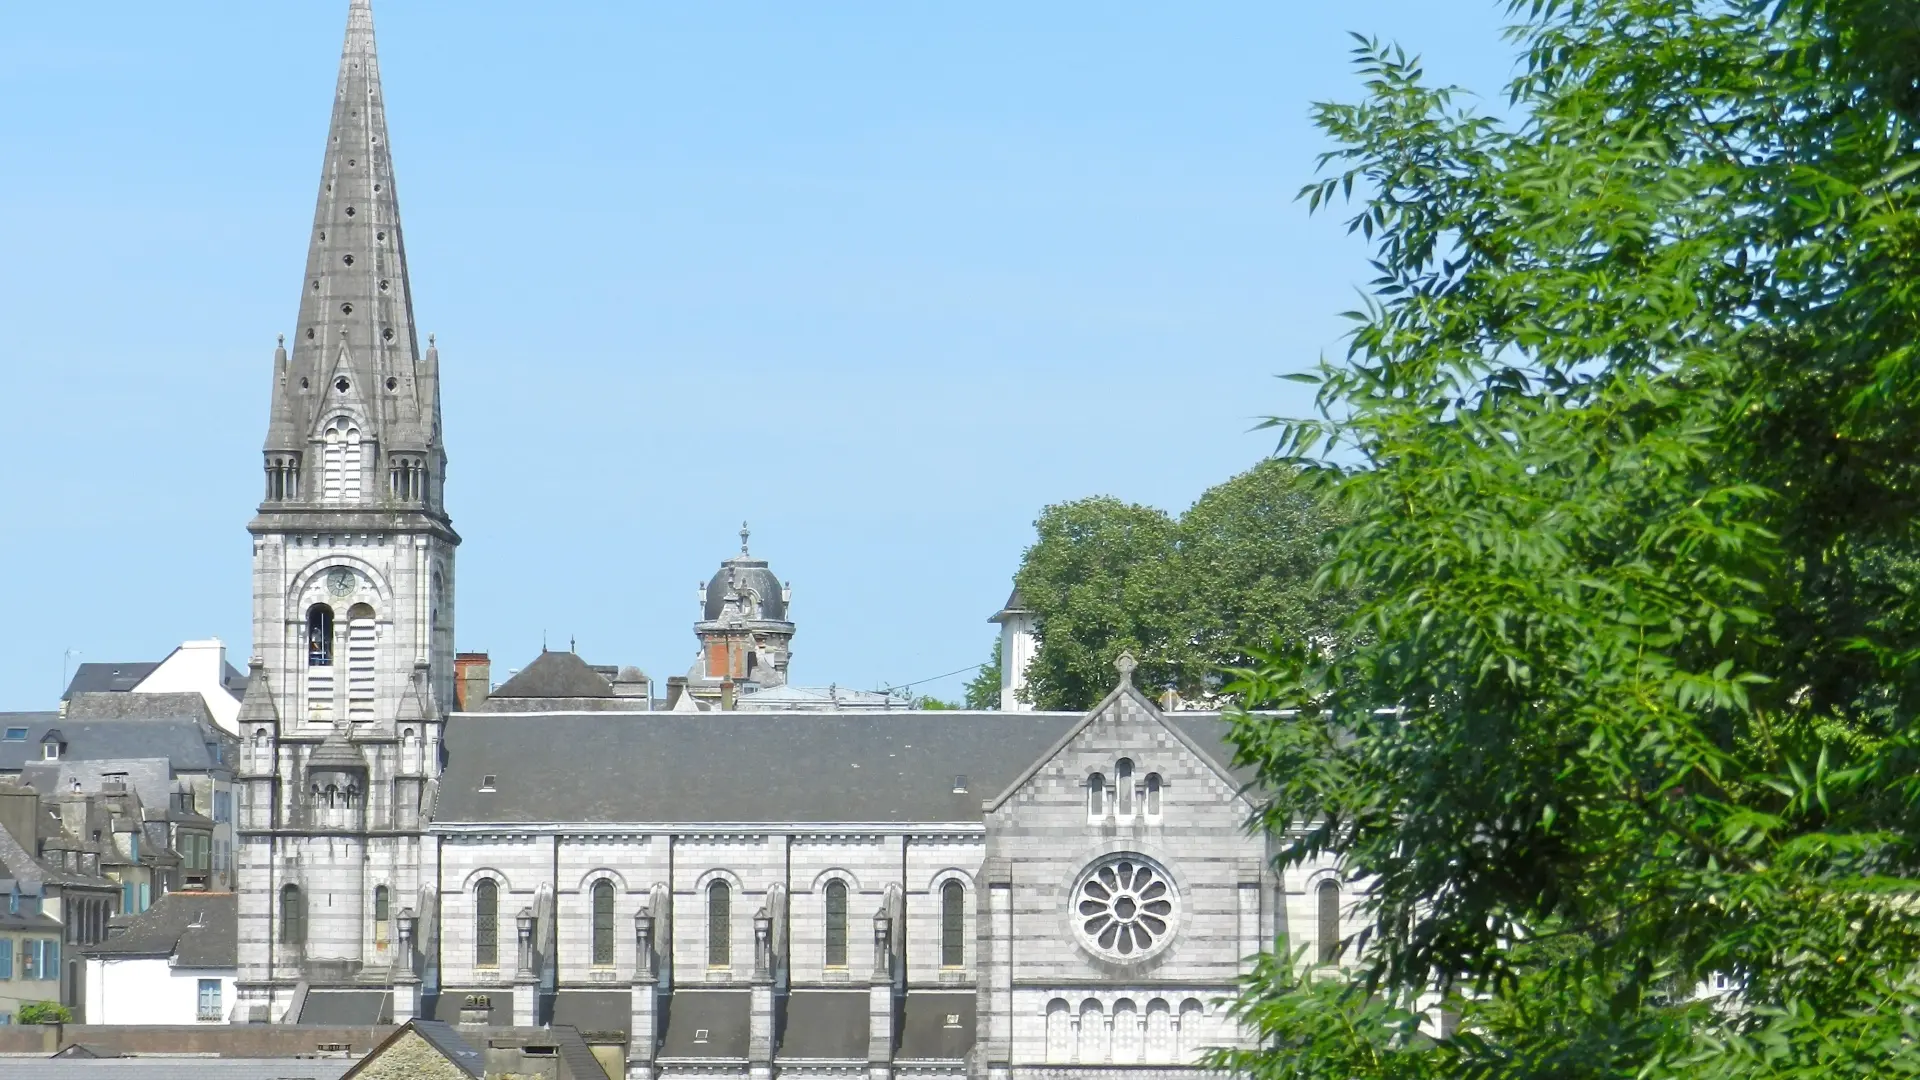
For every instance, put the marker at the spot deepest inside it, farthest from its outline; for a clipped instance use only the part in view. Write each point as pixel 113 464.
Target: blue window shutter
pixel 6 963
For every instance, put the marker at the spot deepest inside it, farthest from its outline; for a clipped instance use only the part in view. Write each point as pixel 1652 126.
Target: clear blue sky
pixel 882 278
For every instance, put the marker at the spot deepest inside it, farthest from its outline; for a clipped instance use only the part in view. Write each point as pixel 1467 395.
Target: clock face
pixel 340 581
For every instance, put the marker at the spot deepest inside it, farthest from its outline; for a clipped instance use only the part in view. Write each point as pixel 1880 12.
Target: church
pixel 801 888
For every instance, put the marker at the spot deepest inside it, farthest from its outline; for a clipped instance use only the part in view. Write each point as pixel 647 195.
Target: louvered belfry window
pixel 360 663
pixel 486 925
pixel 603 922
pixel 340 462
pixel 836 924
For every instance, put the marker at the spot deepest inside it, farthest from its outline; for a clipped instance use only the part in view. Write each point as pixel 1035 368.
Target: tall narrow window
pixel 603 922
pixel 486 924
pixel 1153 794
pixel 319 636
pixel 382 913
pixel 1328 897
pixel 1096 796
pixel 360 654
pixel 719 925
pixel 836 924
pixel 293 916
pixel 1123 788
pixel 953 925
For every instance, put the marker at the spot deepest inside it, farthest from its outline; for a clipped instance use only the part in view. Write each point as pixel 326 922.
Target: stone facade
pixel 829 892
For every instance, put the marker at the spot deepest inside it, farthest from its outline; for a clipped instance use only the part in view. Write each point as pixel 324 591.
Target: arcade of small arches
pixel 1122 1032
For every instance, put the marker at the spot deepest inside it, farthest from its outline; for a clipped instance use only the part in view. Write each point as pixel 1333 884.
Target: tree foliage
pixel 1633 401
pixel 1106 576
pixel 983 690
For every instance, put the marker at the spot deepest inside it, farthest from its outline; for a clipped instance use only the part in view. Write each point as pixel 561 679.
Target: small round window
pixel 1125 908
pixel 341 384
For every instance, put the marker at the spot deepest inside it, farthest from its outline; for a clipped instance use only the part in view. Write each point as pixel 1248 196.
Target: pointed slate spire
pixel 282 432
pixel 355 349
pixel 257 706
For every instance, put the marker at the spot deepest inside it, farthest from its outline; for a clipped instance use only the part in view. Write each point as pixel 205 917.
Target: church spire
pixel 355 354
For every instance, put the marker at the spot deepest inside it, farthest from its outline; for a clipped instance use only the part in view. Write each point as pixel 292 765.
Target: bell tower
pixel 353 557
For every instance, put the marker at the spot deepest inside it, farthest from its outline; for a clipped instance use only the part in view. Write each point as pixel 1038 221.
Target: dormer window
pixel 52 745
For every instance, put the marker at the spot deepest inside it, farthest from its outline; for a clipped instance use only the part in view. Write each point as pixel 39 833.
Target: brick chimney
pixel 472 680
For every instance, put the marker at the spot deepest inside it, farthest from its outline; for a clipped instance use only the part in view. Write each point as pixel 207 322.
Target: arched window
pixel 360 641
pixel 1123 788
pixel 293 916
pixel 319 636
pixel 836 924
pixel 1159 1032
pixel 1059 1032
pixel 603 922
pixel 1328 897
pixel 1191 1013
pixel 719 925
pixel 382 914
pixel 1096 796
pixel 1126 1032
pixel 486 924
pixel 1093 1033
pixel 1153 794
pixel 953 925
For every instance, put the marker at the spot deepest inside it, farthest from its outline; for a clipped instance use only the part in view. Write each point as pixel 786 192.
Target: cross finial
pixel 1124 664
pixel 283 340
pixel 429 341
pixel 743 538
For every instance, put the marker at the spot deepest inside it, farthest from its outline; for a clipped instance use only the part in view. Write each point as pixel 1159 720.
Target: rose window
pixel 1125 907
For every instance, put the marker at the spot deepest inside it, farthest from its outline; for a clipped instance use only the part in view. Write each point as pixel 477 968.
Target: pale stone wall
pixel 408 1057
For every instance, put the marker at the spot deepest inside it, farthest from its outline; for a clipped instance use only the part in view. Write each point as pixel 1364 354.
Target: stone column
pixel 880 1034
pixel 525 983
pixel 760 996
pixel 406 984
pixel 644 1035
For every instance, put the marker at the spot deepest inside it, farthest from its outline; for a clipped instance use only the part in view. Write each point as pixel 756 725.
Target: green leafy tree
pixel 1099 581
pixel 1633 403
pixel 983 690
pixel 1245 561
pixel 1183 596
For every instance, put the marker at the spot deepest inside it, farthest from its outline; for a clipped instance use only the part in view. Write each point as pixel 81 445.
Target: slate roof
pixel 555 675
pixel 123 677
pixel 737 766
pixel 594 1010
pixel 195 929
pixel 108 677
pixel 936 1026
pixel 347 1008
pixel 179 1068
pixel 180 740
pixel 746 573
pixel 825 1024
pixel 445 1039
pixel 707 1024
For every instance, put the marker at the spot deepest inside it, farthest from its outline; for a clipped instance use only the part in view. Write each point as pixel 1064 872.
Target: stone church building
pixel 741 893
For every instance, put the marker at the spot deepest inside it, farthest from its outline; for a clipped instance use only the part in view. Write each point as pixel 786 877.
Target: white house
pixel 172 964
